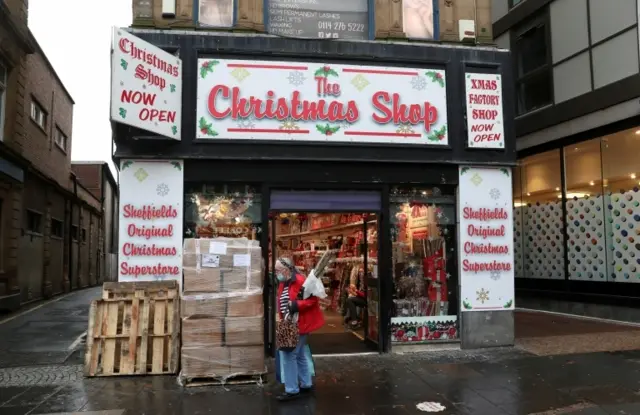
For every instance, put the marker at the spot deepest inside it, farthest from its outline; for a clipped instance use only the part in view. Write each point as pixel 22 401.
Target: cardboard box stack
pixel 222 308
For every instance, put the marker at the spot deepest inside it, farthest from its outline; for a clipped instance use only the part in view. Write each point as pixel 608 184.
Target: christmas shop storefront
pixel 394 166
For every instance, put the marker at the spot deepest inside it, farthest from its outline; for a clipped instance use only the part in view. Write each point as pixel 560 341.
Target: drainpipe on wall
pixel 71 205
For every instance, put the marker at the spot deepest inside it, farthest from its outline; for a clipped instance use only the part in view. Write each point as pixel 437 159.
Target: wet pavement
pixel 491 382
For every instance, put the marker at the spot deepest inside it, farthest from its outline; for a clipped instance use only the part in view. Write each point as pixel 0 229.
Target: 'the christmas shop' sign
pixel 485 120
pixel 485 239
pixel 305 101
pixel 146 86
pixel 150 228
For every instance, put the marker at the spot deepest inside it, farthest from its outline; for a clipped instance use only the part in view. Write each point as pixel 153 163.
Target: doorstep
pixel 419 348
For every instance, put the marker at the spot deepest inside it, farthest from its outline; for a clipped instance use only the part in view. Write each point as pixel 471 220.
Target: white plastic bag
pixel 313 286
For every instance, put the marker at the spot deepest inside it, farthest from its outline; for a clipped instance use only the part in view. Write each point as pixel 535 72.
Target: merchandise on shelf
pixel 222 308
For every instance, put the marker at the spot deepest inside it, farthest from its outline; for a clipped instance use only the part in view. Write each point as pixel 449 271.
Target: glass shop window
pixel 584 202
pixel 425 276
pixel 222 210
pixel 541 215
pixel 621 182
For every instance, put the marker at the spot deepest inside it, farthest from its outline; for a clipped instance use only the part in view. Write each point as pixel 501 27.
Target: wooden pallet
pixel 233 380
pixel 154 290
pixel 134 331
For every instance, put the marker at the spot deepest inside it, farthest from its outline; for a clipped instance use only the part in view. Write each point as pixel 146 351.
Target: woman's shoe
pixel 287 397
pixel 307 390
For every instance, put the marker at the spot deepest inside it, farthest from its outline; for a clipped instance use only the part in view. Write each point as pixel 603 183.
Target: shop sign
pixel 151 212
pixel 146 86
pixel 319 19
pixel 485 213
pixel 485 120
pixel 303 101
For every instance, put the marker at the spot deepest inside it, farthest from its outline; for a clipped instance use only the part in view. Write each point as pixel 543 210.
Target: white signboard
pixel 146 86
pixel 151 211
pixel 485 227
pixel 485 120
pixel 306 101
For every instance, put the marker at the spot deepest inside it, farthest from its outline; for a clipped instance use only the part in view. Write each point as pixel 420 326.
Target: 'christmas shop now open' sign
pixel 485 121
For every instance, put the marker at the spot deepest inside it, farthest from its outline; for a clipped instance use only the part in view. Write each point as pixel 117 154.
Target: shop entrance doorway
pixel 341 246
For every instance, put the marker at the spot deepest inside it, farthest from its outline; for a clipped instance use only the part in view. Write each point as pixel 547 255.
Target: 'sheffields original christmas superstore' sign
pixel 270 100
pixel 150 221
pixel 486 239
pixel 146 86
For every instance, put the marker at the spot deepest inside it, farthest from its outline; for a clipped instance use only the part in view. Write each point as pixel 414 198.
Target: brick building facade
pixel 49 223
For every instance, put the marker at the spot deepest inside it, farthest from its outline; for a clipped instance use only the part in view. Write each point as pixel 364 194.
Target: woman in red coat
pixel 295 363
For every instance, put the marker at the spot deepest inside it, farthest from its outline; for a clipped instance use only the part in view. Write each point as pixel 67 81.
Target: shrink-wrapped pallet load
pixel 222 309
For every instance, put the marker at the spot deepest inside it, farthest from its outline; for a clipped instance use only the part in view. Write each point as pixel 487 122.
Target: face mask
pixel 281 277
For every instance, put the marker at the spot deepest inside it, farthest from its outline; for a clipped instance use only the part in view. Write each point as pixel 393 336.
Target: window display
pixel 221 210
pixel 423 265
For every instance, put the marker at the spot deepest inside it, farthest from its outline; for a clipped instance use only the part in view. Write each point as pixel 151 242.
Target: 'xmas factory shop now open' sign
pixel 271 100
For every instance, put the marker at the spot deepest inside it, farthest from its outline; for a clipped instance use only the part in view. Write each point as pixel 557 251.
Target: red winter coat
pixel 310 316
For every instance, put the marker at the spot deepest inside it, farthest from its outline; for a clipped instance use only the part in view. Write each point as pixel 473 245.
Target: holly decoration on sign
pixel 436 77
pixel 122 112
pixel 505 172
pixel 327 129
pixel 508 304
pixel 325 72
pixel 174 130
pixel 172 87
pixel 207 67
pixel 464 170
pixel 176 165
pixel 466 305
pixel 205 128
pixel 438 135
pixel 124 64
pixel 126 164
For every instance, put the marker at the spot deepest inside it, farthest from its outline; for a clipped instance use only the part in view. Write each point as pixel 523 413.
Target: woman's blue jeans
pixel 296 367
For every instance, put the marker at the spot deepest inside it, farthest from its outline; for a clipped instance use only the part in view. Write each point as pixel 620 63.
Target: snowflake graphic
pixel 439 215
pixel 496 275
pixel 289 125
pixel 483 295
pixel 296 78
pixel 162 189
pixel 494 193
pixel 418 83
pixel 248 203
pixel 246 123
pixel 405 129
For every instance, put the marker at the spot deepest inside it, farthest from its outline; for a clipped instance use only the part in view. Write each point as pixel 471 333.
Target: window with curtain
pixel 216 13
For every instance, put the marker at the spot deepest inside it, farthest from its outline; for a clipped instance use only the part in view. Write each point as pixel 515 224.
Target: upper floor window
pixel 216 13
pixel 3 89
pixel 513 3
pixel 38 115
pixel 533 63
pixel 418 19
pixel 60 139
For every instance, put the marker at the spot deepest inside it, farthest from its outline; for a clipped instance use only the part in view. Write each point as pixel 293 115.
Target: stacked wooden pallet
pixel 134 330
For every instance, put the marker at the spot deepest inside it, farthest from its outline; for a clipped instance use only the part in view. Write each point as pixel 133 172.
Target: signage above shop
pixel 485 120
pixel 305 101
pixel 150 220
pixel 146 86
pixel 321 19
pixel 485 209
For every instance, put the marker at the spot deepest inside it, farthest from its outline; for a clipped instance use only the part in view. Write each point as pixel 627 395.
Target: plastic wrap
pixel 222 309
